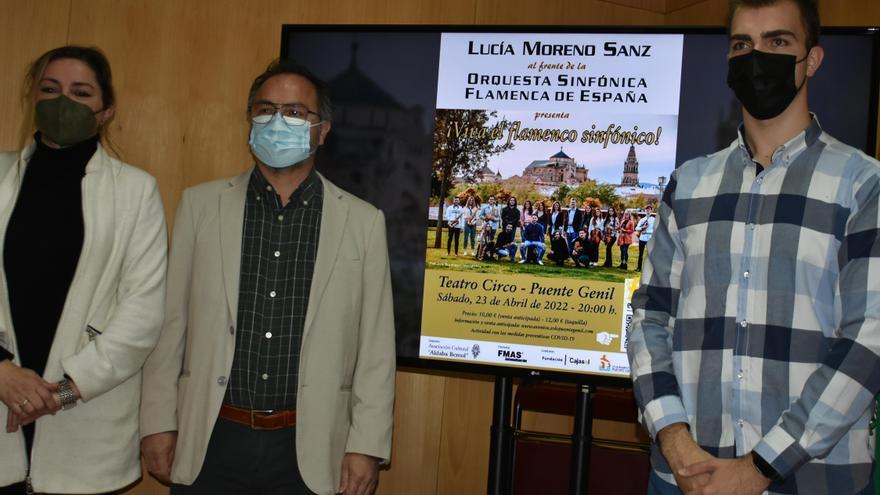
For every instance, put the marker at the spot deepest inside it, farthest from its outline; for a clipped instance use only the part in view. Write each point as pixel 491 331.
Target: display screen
pixel 429 122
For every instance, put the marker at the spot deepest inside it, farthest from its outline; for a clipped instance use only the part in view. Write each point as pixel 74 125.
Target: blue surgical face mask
pixel 281 143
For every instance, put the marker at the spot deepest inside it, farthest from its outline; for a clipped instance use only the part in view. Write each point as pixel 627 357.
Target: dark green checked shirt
pixel 278 249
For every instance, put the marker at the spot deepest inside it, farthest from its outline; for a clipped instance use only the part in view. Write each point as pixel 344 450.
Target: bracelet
pixel 765 468
pixel 66 395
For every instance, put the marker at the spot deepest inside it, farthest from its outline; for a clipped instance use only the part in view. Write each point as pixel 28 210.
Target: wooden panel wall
pixel 832 12
pixel 182 70
pixel 563 12
pixel 704 13
pixel 26 31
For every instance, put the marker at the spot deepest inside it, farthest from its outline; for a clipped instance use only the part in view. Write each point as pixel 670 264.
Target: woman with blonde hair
pixel 83 282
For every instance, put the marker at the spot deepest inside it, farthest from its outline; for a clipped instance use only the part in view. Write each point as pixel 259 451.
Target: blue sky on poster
pixel 605 164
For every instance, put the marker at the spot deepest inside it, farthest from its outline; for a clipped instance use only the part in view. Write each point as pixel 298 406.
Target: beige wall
pixel 182 70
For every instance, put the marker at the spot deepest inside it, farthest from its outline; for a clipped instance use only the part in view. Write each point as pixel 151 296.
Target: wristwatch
pixel 66 395
pixel 765 468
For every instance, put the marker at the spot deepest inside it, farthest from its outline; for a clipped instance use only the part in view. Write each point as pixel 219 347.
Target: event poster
pixel 542 116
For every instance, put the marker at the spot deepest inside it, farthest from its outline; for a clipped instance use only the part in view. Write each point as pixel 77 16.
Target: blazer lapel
pixel 231 226
pixel 10 183
pixel 333 217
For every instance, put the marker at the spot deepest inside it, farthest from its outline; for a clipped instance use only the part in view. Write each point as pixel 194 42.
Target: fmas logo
pixel 508 355
pixel 604 363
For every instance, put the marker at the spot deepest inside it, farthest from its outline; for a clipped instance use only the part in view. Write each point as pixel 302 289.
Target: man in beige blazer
pixel 279 325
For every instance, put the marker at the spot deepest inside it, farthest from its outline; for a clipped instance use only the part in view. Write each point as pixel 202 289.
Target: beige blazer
pixel 118 289
pixel 346 370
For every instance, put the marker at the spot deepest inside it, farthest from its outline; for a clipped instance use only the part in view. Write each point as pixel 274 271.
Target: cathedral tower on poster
pixel 630 169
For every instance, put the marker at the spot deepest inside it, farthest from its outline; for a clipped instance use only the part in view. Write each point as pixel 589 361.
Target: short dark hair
pixel 89 55
pixel 286 66
pixel 809 15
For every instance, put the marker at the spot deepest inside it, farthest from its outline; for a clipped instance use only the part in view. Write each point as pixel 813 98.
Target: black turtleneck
pixel 43 242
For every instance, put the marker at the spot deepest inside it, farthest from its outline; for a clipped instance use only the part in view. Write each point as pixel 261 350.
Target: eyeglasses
pixel 293 114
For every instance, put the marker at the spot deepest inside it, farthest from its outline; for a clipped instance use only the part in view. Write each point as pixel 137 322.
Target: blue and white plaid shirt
pixel 758 319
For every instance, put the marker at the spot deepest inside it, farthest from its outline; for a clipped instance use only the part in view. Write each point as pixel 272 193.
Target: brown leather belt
pixel 259 420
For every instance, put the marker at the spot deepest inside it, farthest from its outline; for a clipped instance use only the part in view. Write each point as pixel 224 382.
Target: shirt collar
pixel 307 190
pixel 786 153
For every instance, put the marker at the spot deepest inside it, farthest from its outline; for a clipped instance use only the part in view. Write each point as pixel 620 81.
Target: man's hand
pixel 158 452
pixel 681 451
pixel 727 477
pixel 360 474
pixel 26 395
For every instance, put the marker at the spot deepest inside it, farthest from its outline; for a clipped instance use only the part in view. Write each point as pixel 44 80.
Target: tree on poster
pixel 461 148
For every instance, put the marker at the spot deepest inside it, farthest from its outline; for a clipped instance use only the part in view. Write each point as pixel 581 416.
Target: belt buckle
pixel 255 412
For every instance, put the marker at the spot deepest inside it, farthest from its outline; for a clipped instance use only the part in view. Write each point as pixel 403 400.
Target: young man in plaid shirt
pixel 755 340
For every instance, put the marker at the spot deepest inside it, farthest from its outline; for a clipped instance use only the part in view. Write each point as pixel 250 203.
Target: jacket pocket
pixel 89 333
pixel 92 332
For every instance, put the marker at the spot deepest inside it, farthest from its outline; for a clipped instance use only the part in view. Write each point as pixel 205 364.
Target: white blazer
pixel 118 289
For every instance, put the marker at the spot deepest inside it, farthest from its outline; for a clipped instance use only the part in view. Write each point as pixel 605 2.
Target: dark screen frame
pixel 416 363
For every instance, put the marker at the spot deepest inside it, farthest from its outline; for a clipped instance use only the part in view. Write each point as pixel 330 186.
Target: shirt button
pixel 268 335
pixel 277 253
pixel 221 381
pixel 280 217
pixel 265 376
pixel 258 197
pixel 272 294
pixel 744 323
pixel 232 329
pixel 740 374
pixel 268 188
pixel 305 203
pixel 740 423
pixel 746 274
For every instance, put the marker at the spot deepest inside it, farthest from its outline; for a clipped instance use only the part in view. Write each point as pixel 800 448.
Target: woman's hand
pixel 26 395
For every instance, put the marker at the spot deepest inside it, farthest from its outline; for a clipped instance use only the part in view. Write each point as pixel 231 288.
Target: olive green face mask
pixel 64 121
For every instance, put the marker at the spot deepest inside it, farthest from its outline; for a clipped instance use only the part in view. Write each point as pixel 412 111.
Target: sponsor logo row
pixel 524 355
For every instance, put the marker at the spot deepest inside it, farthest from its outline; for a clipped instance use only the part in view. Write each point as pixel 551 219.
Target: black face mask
pixel 764 82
